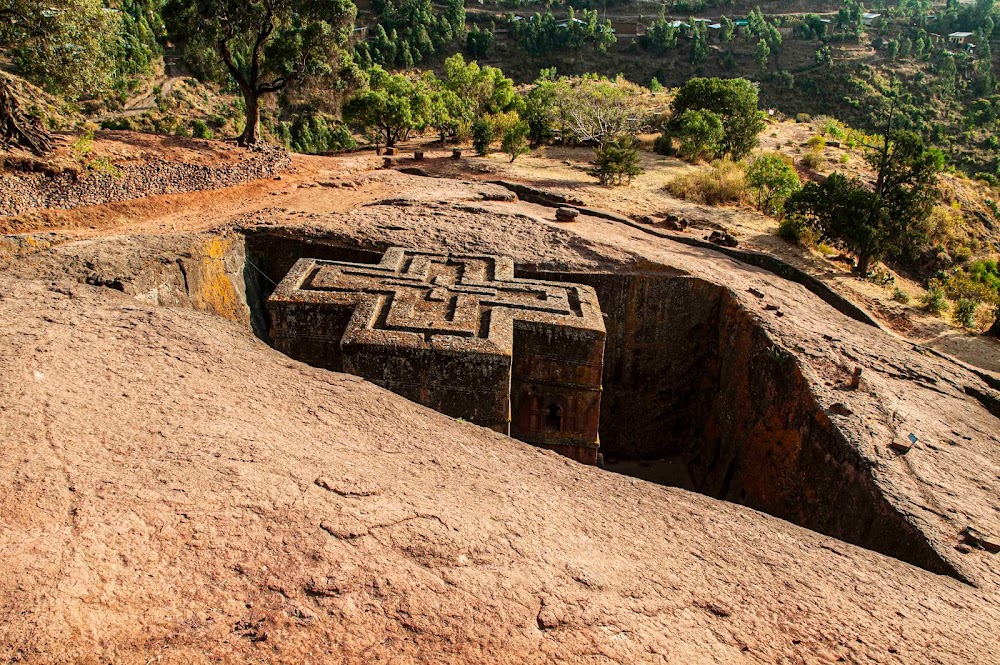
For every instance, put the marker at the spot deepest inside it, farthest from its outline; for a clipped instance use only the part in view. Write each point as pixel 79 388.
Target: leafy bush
pixel 934 301
pixel 700 133
pixel 771 179
pixel 200 129
pixel 663 144
pixel 901 296
pixel 515 140
pixel 482 135
pixel 812 160
pixel 816 142
pixel 311 133
pixel 82 146
pixel 965 312
pixel 617 161
pixel 792 229
pixel 721 183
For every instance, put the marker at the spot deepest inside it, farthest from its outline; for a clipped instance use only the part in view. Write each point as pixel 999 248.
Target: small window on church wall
pixel 553 418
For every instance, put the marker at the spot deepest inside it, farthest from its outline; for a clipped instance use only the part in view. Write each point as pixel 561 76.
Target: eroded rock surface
pixel 176 490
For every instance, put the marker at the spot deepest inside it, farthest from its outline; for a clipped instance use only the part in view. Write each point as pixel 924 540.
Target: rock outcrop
pixel 176 491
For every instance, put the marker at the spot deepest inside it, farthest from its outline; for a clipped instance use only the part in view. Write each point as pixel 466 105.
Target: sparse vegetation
pixel 771 179
pixel 721 183
pixel 616 162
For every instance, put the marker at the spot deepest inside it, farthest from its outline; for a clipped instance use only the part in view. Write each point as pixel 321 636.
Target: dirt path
pixel 173 72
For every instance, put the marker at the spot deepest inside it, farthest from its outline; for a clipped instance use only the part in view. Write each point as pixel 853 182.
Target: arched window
pixel 553 418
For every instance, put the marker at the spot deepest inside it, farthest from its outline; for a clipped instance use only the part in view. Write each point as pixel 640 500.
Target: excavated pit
pixel 696 395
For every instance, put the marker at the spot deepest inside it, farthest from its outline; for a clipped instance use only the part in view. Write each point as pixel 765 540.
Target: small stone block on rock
pixel 391 151
pixel 456 154
pixel 903 444
pixel 856 379
pixel 418 155
pixel 567 214
pixel 723 238
pixel 387 162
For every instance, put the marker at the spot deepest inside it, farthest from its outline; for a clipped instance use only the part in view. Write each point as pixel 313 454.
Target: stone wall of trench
pixel 689 373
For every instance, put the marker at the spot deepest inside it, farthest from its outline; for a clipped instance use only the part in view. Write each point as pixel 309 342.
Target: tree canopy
pixel 261 45
pixel 882 219
pixel 389 108
pixel 733 100
pixel 65 46
pixel 771 179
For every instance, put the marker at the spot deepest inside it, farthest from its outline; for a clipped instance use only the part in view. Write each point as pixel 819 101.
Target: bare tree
pixel 596 111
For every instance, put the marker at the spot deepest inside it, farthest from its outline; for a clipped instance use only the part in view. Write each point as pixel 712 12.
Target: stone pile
pixel 21 193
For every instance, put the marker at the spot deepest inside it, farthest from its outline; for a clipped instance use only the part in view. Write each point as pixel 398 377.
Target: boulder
pixel 567 214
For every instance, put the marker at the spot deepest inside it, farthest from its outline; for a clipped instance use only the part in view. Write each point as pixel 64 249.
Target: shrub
pixel 901 296
pixel 104 166
pixel 721 183
pixel 482 135
pixel 791 229
pixel 771 180
pixel 515 140
pixel 816 142
pixel 664 144
pixel 200 129
pixel 934 300
pixel 82 146
pixel 617 161
pixel 812 160
pixel 965 312
pixel 655 85
pixel 803 117
pixel 961 254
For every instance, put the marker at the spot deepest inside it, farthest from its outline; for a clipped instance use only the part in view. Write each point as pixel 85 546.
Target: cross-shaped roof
pixel 440 301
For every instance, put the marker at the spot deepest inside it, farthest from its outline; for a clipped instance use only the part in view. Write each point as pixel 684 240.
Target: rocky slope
pixel 176 491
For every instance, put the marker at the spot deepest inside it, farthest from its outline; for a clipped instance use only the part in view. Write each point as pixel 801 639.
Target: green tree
pixel 482 135
pixel 734 100
pixel 886 219
pixel 762 54
pixel 389 108
pixel 617 161
pixel 261 45
pixel 479 43
pixel 699 44
pixel 891 49
pixel 484 89
pixel 515 140
pixel 700 133
pixel 540 109
pixel 771 180
pixel 69 47
pixel 728 29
